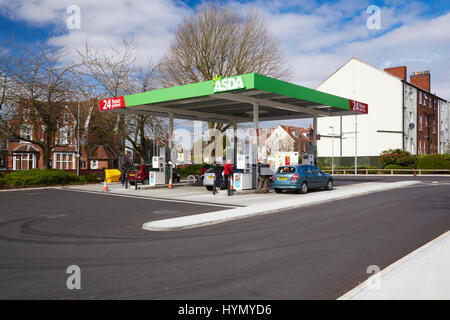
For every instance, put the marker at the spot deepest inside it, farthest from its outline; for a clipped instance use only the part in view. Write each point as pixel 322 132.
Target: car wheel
pixel 329 185
pixel 304 188
pixel 145 182
pixel 209 188
pixel 277 190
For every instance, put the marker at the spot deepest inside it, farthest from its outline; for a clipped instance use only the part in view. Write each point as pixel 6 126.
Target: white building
pixel 410 119
pixel 444 122
pixel 378 130
pixel 396 113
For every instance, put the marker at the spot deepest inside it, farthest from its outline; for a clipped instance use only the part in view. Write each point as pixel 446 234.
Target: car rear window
pixel 286 170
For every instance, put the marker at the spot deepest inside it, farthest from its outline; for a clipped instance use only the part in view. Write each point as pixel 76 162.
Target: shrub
pixel 88 178
pixel 190 169
pixel 398 157
pixel 434 161
pixel 37 177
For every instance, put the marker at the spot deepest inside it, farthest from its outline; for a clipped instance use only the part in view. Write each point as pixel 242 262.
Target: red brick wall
pixel 421 80
pixel 427 134
pixel 399 72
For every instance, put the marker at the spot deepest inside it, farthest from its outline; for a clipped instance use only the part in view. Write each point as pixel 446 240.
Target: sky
pixel 317 37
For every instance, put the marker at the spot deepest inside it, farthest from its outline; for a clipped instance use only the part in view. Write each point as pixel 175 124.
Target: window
pixel 24 161
pixel 420 97
pixel 26 132
pixel 26 115
pixel 4 144
pixel 420 122
pixel 286 170
pixel 434 126
pixel 65 135
pixel 64 161
pixel 94 164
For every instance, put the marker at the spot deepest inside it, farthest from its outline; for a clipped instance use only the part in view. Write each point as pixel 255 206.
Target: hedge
pixel 190 169
pixel 433 161
pixel 38 177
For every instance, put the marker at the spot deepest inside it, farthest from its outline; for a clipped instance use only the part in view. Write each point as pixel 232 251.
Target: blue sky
pixel 317 37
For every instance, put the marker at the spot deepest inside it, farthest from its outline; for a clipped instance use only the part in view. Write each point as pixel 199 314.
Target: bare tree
pixel 38 87
pixel 116 74
pixel 217 40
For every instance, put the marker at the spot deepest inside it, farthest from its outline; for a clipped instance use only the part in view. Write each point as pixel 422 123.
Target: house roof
pixel 26 148
pixel 291 130
pixel 103 152
pixel 379 70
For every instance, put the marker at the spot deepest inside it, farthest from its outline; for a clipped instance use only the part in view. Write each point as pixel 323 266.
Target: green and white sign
pixel 227 84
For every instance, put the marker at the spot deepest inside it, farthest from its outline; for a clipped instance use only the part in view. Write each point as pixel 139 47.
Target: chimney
pixel 399 72
pixel 422 80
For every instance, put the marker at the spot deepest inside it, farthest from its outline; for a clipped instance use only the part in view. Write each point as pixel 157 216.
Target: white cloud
pixel 105 23
pixel 317 37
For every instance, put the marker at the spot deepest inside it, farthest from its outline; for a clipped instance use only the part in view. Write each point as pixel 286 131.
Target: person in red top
pixel 227 172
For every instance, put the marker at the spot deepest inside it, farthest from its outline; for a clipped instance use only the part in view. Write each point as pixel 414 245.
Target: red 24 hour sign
pixel 112 103
pixel 359 107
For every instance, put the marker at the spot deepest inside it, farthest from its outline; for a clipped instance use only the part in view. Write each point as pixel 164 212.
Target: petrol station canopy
pixel 233 100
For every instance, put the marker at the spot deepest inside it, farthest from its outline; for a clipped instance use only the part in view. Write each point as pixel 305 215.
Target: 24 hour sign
pixel 112 103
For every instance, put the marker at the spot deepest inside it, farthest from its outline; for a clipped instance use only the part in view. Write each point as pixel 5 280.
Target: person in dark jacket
pixel 218 176
pixel 123 171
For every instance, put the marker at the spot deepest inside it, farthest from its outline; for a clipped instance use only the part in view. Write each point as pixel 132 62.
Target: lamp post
pixel 332 149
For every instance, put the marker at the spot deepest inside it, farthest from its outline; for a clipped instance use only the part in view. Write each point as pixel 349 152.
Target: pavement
pixel 421 275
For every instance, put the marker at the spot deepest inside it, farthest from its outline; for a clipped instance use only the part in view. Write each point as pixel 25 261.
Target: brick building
pixel 17 154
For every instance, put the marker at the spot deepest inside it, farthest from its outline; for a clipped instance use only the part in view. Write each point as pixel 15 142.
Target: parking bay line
pixel 204 219
pixel 202 203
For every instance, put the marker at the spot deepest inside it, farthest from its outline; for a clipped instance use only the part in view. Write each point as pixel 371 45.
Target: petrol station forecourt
pixel 238 99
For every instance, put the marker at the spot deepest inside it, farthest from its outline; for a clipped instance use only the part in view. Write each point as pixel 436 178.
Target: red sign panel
pixel 359 107
pixel 112 103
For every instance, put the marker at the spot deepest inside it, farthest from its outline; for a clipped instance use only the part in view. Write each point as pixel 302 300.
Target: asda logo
pixel 227 84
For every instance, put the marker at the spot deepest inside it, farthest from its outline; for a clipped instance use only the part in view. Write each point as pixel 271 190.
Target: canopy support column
pixel 171 149
pixel 315 138
pixel 235 143
pixel 255 144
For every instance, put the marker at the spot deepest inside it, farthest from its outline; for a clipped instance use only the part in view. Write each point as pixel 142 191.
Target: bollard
pixel 126 179
pixel 214 187
pixel 229 185
pixel 135 181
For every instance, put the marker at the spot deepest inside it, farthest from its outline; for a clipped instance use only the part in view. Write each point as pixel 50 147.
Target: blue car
pixel 301 178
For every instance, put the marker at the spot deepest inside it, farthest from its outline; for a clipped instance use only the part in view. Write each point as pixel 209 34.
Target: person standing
pixel 264 172
pixel 218 176
pixel 123 171
pixel 227 172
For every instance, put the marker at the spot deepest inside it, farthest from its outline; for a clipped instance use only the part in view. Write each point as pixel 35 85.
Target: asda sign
pixel 227 84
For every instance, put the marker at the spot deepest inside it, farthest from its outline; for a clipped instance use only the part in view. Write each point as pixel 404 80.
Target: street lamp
pixel 332 149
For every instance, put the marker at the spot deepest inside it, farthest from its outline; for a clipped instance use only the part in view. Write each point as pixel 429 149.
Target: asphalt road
pixel 316 252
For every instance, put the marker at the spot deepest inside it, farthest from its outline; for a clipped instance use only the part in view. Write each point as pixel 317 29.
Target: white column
pixel 315 138
pixel 255 128
pixel 171 147
pixel 170 135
